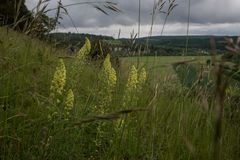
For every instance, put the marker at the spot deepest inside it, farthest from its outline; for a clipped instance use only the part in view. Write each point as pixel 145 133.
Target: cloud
pixel 170 29
pixel 208 16
pixel 208 11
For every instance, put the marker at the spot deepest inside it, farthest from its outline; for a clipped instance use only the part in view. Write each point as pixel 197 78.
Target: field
pixel 73 108
pixel 162 65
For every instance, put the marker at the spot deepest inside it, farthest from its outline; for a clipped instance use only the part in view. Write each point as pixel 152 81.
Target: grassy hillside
pixel 72 108
pixel 26 66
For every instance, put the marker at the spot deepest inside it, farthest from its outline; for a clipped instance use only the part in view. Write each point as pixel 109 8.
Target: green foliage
pixel 187 74
pixel 193 76
pixel 232 69
pixel 12 11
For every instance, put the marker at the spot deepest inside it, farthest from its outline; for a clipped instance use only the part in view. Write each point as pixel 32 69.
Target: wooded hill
pixel 157 45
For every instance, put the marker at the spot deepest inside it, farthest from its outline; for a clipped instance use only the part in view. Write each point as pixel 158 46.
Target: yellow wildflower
pixel 131 88
pixel 109 72
pixel 69 103
pixel 142 78
pixel 85 50
pixel 132 79
pixel 108 79
pixel 59 80
pixel 78 63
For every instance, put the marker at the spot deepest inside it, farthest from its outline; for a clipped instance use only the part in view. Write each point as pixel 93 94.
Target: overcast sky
pixel 208 17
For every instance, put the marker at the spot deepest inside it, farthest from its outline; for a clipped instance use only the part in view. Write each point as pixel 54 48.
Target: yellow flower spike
pixel 142 77
pixel 108 79
pixel 78 63
pixel 59 80
pixel 85 50
pixel 132 79
pixel 109 72
pixel 69 103
pixel 107 62
pixel 113 77
pixel 131 87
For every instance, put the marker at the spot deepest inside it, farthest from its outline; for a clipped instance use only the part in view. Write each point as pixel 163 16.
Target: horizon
pixel 191 35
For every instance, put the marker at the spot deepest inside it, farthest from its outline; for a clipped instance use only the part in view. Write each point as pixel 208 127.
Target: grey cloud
pixel 171 29
pixel 208 11
pixel 202 12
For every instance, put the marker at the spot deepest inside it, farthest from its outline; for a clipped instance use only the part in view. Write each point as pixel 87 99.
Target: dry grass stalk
pixel 221 85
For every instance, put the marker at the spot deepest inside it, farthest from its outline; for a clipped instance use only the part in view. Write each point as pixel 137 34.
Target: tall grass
pixel 107 112
pixel 161 121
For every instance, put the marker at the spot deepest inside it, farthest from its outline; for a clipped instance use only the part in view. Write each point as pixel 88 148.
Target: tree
pixel 14 13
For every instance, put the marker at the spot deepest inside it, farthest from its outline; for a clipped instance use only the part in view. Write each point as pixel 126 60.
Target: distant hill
pixel 66 39
pixel 200 42
pixel 158 45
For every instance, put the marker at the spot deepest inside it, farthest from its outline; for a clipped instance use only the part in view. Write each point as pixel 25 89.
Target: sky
pixel 207 17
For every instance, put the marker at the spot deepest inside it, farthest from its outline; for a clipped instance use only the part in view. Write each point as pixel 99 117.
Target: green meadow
pixel 162 65
pixel 53 107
